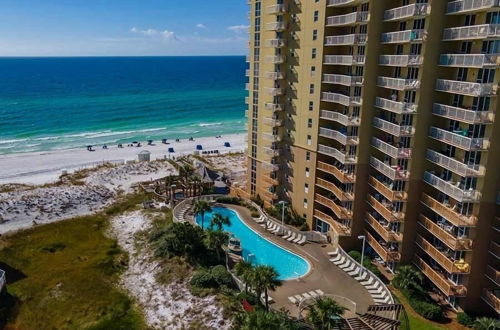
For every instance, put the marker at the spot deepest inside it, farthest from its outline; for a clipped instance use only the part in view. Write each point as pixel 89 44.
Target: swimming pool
pixel 258 250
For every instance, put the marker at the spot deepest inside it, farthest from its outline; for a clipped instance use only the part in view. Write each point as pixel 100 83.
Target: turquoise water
pixel 261 251
pixel 60 103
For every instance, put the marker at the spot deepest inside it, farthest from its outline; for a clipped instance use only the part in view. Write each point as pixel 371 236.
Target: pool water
pixel 258 250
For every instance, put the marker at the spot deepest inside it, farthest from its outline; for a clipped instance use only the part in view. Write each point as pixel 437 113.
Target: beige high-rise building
pixel 380 118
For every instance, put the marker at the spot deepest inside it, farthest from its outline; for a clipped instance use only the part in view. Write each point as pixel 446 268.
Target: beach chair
pixel 277 230
pixel 291 238
pixel 293 300
pixel 298 298
pixel 288 233
pixel 272 228
pixel 296 240
pixel 320 292
pixel 302 241
pixel 306 295
pixel 313 294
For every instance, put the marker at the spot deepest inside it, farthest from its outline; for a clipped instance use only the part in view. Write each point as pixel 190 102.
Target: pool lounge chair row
pixel 276 229
pixel 297 299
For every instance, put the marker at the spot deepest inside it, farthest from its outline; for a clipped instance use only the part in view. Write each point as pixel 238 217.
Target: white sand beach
pixel 44 167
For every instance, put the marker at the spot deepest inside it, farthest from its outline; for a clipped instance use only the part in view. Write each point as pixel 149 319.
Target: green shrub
pixel 229 200
pixel 355 255
pixel 465 319
pixel 255 214
pixel 203 279
pixel 221 275
pixel 428 310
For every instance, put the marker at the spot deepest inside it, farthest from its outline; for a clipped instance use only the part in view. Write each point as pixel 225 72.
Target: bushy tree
pixel 263 279
pixel 486 323
pixel 177 239
pixel 201 207
pixel 214 239
pixel 244 271
pixel 408 278
pixel 261 320
pixel 218 220
pixel 325 314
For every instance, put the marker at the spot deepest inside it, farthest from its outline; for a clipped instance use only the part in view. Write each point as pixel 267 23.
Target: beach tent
pixel 227 144
pixel 199 147
pixel 171 149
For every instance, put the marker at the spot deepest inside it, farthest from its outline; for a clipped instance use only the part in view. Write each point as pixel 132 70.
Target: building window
pixel 313 70
pixel 311 105
pixel 314 52
pixel 315 34
pixel 305 203
pixel 311 89
pixel 309 123
pixel 307 172
pixel 308 155
pixel 309 140
pixel 306 188
pixel 316 16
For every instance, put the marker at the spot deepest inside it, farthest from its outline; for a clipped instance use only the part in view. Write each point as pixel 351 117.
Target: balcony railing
pixel 274 75
pixel 338 136
pixel 382 251
pixel 271 137
pixel 338 192
pixel 344 59
pixel 465 87
pixel 269 195
pixel 276 9
pixel 270 167
pixel 456 166
pixel 387 234
pixel 394 106
pixel 342 3
pixel 384 211
pixel 398 83
pixel 271 181
pixel 338 227
pixel 391 172
pixel 442 233
pixel 493 274
pixel 402 36
pixel 464 6
pixel 394 129
pixel 342 79
pixel 348 19
pixel 340 98
pixel 273 106
pixel 469 60
pixel 446 286
pixel 274 91
pixel 448 212
pixel 275 26
pixel 417 9
pixel 271 59
pixel 342 176
pixel 276 43
pixel 342 157
pixel 339 118
pixel 451 266
pixel 451 189
pixel 458 140
pixel 340 211
pixel 273 122
pixel 348 39
pixel 472 32
pixel 400 60
pixel 463 115
pixel 390 150
pixel 491 299
pixel 387 192
pixel 273 152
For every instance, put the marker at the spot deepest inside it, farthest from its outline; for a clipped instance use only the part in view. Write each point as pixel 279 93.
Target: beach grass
pixel 63 275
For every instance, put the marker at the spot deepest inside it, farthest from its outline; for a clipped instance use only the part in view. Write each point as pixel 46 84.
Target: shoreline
pixel 42 167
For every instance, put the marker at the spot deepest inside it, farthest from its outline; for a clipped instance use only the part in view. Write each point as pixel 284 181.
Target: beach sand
pixel 44 167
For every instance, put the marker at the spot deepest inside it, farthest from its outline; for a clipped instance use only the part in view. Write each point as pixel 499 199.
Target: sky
pixel 123 27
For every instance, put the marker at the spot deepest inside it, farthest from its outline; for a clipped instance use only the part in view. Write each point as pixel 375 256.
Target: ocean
pixel 61 103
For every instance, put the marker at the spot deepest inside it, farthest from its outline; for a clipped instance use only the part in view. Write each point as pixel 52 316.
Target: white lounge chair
pixel 339 262
pixel 320 292
pixel 306 295
pixel 302 241
pixel 297 239
pixel 288 233
pixel 292 300
pixel 333 253
pixel 276 230
pixel 291 238
pixel 313 294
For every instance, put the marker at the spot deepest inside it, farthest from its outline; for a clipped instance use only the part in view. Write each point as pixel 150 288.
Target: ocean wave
pixel 209 124
pixel 12 141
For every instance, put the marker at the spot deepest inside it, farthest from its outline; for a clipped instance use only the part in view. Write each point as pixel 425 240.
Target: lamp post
pixel 363 237
pixel 282 214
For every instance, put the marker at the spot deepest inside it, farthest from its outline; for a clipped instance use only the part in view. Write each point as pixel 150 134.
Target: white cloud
pixel 165 34
pixel 201 26
pixel 238 28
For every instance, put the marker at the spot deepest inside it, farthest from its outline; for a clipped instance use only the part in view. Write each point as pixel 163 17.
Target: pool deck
pixel 323 274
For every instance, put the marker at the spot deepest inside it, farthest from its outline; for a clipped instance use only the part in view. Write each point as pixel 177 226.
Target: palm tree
pixel 244 271
pixel 219 220
pixel 201 207
pixel 263 279
pixel 325 313
pixel 408 278
pixel 214 239
pixel 261 320
pixel 486 323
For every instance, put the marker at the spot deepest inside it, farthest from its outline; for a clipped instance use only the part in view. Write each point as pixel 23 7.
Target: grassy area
pixel 416 321
pixel 64 275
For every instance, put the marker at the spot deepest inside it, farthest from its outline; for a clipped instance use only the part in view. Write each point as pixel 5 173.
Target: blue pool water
pixel 261 251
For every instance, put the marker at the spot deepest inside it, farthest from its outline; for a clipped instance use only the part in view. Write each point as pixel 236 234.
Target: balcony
pixel 400 37
pixel 270 167
pixel 275 43
pixel 442 232
pixel 271 59
pixel 469 60
pixel 441 257
pixel 274 75
pixel 340 229
pixel 349 19
pixel 456 166
pixel 270 181
pixel 273 152
pixel 275 9
pixel 274 91
pixel 344 3
pixel 390 150
pixel 273 106
pixel 339 118
pixel 340 98
pixel 269 195
pixel 383 251
pixel 398 83
pixel 466 6
pixel 394 129
pixel 383 210
pixel 458 140
pixel 463 115
pixel 338 192
pixel 445 285
pixel 472 32
pixel 493 275
pixel 465 88
pixel 342 157
pixel 491 299
pixel 275 26
pixel 384 231
pixel 271 137
pixel 400 60
pixel 344 59
pixel 343 80
pixel 415 10
pixel 448 212
pixel 495 249
pixel 338 136
pixel 342 176
pixel 273 122
pixel 392 172
pixel 344 40
pixel 340 211
pixel 451 189
pixel 394 106
pixel 386 191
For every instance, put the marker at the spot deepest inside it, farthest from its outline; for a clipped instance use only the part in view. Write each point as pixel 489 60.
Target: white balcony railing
pixel 454 165
pixel 340 98
pixel 342 157
pixel 464 6
pixel 344 59
pixel 275 9
pixel 273 106
pixel 392 172
pixel 273 122
pixel 398 83
pixel 458 140
pixel 276 43
pixel 472 32
pixel 391 150
pixel 392 128
pixel 400 60
pixel 273 152
pixel 402 36
pixel 465 87
pixel 338 136
pixel 274 91
pixel 271 59
pixel 342 79
pixel 416 9
pixel 275 26
pixel 394 106
pixel 452 189
pixel 274 75
pixel 270 166
pixel 271 137
pixel 469 60
pixel 352 18
pixel 463 115
pixel 348 39
pixel 339 118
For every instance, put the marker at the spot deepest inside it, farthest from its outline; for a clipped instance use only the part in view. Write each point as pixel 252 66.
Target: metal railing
pixel 402 36
pixel 340 79
pixel 273 106
pixel 454 165
pixel 461 6
pixel 272 152
pixel 342 157
pixel 273 122
pixel 441 258
pixel 390 150
pixel 451 189
pixel 454 243
pixel 275 9
pixel 274 91
pixel 334 3
pixel 471 32
pixel 400 60
pixel 344 59
pixel 463 142
pixel 340 98
pixel 270 166
pixel 416 9
pixel 339 117
pixel 348 39
pixel 398 83
pixel 445 285
pixel 271 137
pixel 469 60
pixel 448 212
pixel 274 75
pixel 278 59
pixel 389 171
pixel 347 19
pixel 394 129
pixel 465 87
pixel 276 43
pixel 464 115
pixel 394 106
pixel 275 26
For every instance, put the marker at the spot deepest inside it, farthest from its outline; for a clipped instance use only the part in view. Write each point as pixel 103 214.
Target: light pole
pixel 282 214
pixel 363 237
